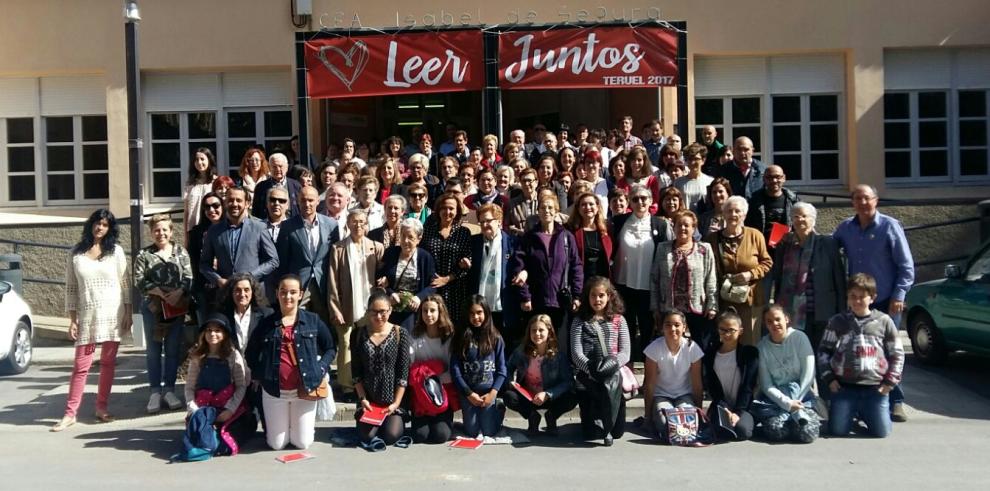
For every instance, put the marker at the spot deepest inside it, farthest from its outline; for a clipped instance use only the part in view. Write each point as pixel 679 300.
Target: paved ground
pixel 944 446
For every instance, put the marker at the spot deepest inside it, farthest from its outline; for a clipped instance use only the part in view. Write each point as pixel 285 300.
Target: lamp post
pixel 134 143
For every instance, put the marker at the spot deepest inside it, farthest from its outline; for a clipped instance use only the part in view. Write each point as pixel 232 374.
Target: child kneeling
pixel 544 373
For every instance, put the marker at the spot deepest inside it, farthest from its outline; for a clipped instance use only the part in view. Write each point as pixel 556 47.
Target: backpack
pixel 428 397
pixel 684 426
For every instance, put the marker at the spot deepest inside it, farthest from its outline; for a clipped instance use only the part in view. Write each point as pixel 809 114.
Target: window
pixel 916 135
pixel 973 133
pixel 732 117
pixel 76 159
pixel 19 159
pixel 174 136
pixel 246 128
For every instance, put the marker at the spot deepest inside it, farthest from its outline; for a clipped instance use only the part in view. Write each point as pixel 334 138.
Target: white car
pixel 15 331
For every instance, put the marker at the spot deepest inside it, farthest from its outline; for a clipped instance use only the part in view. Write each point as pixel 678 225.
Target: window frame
pixel 78 172
pixel 5 201
pixel 186 146
pixel 914 135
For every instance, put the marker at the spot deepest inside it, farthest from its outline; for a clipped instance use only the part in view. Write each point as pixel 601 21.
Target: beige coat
pixel 339 277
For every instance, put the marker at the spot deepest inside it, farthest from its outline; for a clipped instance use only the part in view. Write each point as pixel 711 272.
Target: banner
pixel 411 63
pixel 586 58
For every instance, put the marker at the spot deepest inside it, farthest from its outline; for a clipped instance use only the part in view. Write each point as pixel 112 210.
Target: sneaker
pixel 897 413
pixel 172 401
pixel 155 403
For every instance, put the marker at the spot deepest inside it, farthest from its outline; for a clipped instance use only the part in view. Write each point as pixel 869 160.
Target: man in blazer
pixel 502 297
pixel 303 248
pixel 280 168
pixel 237 244
pixel 348 294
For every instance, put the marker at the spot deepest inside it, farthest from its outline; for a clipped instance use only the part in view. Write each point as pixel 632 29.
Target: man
pixel 486 192
pixel 278 205
pixel 367 190
pixel 875 244
pixel 237 244
pixel 654 141
pixel 489 273
pixel 461 150
pixel 709 139
pixel 518 137
pixel 279 165
pixel 550 144
pixel 303 248
pixel 628 139
pixel 338 200
pixel 535 148
pixel 745 174
pixel 772 204
pixel 448 146
pixel 675 141
pixel 523 206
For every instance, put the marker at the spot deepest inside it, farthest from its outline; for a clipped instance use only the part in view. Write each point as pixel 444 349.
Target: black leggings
pixel 390 430
pixel 639 318
pixel 433 429
pixel 588 408
pixel 555 407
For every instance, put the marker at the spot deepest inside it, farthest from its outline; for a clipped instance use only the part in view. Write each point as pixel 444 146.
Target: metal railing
pixel 24 243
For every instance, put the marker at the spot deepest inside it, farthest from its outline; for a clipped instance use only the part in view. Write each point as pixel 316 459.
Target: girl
pixel 217 378
pixel 202 172
pixel 730 372
pixel 478 368
pixel 673 372
pixel 543 370
pixel 599 346
pixel 784 408
pixel 431 337
pixel 380 363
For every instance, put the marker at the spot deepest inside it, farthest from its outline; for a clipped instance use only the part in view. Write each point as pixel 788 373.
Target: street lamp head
pixel 131 12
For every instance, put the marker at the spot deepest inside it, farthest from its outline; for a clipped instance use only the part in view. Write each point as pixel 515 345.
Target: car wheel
pixel 19 357
pixel 927 340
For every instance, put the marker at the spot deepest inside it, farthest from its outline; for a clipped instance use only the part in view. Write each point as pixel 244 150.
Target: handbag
pixel 630 385
pixel 321 391
pixel 565 298
pixel 684 426
pixel 733 293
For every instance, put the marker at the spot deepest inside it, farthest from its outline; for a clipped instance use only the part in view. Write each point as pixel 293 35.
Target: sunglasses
pixel 417 195
pixel 639 198
pixel 213 206
pixel 280 201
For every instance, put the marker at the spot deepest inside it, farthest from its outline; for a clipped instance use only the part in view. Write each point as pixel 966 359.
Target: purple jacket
pixel 546 268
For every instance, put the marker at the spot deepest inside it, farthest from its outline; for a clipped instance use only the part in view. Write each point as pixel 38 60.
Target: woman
pixel 671 201
pixel 98 303
pixel 636 236
pixel 694 185
pixel 712 221
pixel 730 370
pixel 254 169
pixel 244 307
pixel 389 180
pixel 202 172
pixel 594 244
pixel 593 173
pixel 431 339
pixel 449 242
pixel 351 276
pixel 672 373
pixel 808 274
pixel 489 152
pixel 741 261
pixel 326 175
pixel 392 150
pixel 288 354
pixel 211 212
pixel 221 185
pixel 546 175
pixel 543 370
pixel 505 182
pixel 380 355
pixel 683 278
pixel 548 253
pixel 419 174
pixel 785 406
pixel 388 233
pixel 408 272
pixel 449 166
pixel 639 171
pixel 599 346
pixel 566 158
pixel 617 173
pixel 163 272
pixel 418 198
pixel 512 152
pixel 669 154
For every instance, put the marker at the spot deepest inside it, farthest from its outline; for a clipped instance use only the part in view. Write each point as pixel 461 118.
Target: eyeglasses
pixel 528 181
pixel 726 332
pixel 639 198
pixel 417 195
pixel 379 311
pixel 280 201
pixel 213 206
pixel 775 177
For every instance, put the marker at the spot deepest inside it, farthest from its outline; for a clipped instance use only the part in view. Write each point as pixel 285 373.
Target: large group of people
pixel 418 283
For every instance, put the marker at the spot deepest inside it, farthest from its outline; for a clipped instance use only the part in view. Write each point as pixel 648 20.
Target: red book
pixel 374 416
pixel 294 457
pixel 778 232
pixel 170 311
pixel 467 443
pixel 522 391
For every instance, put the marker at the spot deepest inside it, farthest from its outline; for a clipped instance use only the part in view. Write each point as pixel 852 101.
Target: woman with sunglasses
pixel 211 212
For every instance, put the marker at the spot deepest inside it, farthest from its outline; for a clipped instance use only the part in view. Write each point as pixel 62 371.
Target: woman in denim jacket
pixel 543 371
pixel 284 361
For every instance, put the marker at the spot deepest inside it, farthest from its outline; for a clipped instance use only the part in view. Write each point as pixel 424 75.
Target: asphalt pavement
pixel 943 446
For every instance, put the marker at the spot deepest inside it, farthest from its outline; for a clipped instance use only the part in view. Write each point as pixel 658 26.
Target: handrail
pixel 826 196
pixel 941 224
pixel 18 243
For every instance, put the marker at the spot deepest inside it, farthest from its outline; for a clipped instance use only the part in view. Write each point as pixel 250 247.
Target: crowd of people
pixel 418 283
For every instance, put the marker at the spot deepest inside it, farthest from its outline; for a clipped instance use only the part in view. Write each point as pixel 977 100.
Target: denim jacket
pixel 557 375
pixel 315 344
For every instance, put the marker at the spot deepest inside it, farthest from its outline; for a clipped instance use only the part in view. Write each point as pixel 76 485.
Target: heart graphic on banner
pixel 355 59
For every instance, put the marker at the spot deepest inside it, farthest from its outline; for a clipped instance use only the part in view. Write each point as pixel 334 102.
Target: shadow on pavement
pixel 958 389
pixel 160 444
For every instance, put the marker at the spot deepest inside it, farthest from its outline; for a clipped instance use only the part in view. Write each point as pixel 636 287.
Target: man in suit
pixel 279 164
pixel 303 248
pixel 237 244
pixel 744 173
pixel 489 273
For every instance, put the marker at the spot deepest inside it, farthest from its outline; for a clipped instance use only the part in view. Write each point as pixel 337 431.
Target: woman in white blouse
pixel 98 302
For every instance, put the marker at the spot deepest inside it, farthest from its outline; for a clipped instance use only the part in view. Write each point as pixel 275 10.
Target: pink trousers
pixel 77 385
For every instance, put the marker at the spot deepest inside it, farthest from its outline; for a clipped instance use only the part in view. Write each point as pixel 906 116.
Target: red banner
pixel 600 57
pixel 410 63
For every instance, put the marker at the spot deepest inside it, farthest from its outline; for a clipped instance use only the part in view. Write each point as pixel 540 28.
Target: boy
pixel 860 360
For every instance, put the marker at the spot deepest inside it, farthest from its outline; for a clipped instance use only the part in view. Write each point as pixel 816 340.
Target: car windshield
pixel 980 268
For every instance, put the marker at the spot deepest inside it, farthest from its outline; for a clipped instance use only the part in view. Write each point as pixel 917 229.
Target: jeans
pixel 896 395
pixel 555 408
pixel 867 402
pixel 485 421
pixel 171 345
pixel 802 426
pixel 659 404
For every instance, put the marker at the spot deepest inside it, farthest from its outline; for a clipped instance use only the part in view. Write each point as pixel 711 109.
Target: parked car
pixel 952 313
pixel 16 329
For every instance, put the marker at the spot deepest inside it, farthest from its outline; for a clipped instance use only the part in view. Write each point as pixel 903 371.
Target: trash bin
pixel 984 209
pixel 11 272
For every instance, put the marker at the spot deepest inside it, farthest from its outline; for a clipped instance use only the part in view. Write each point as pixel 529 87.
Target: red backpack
pixel 428 395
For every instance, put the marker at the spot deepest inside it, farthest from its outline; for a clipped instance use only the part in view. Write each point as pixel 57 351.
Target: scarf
pixel 360 283
pixel 794 282
pixel 491 273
